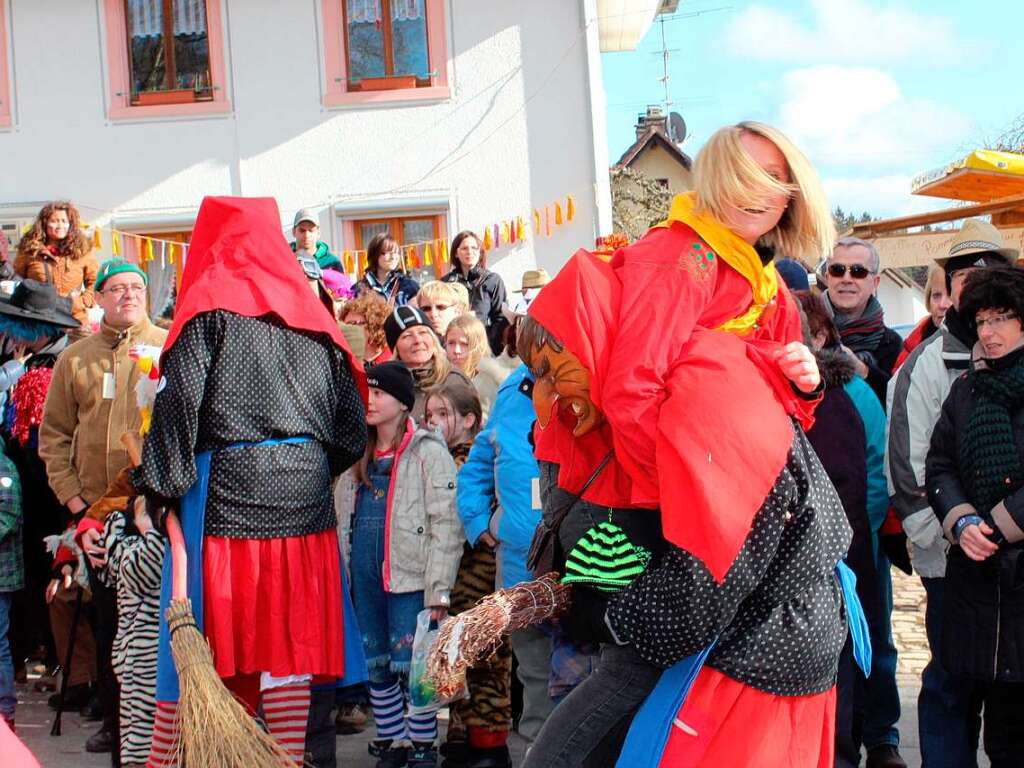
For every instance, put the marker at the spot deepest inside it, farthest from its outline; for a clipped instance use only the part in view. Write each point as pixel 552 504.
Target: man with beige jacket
pixel 90 404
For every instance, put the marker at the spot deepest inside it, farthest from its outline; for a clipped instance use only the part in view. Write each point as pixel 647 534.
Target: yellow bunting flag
pixel 488 239
pixel 506 233
pixel 520 229
pixel 115 243
pixel 428 257
pixel 570 208
pixel 558 214
pixel 97 243
pixel 171 247
pixel 363 260
pixel 147 249
pixel 536 221
pixel 346 260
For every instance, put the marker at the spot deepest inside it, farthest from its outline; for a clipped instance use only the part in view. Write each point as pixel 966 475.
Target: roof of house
pixel 647 138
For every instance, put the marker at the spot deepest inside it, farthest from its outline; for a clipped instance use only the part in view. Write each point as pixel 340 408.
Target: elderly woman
pixel 413 342
pixel 442 302
pixel 56 251
pixel 975 475
pixel 936 300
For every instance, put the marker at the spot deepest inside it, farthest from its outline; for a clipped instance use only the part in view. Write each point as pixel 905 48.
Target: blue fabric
pixel 501 468
pixel 387 620
pixel 873 417
pixel 8 695
pixel 355 659
pixel 192 517
pixel 855 618
pixel 649 733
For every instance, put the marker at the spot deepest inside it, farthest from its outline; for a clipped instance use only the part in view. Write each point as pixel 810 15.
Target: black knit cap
pixel 402 319
pixel 395 379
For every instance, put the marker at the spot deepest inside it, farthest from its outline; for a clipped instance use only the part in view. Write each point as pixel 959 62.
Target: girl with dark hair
pixel 385 272
pixel 974 476
pixel 486 289
pixel 56 251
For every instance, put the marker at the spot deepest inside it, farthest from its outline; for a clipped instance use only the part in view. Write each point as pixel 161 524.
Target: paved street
pixel 908 629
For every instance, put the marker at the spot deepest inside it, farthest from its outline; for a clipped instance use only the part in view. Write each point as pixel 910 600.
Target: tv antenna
pixel 665 54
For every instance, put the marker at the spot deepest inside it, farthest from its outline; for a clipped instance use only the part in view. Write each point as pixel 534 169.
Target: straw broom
pixel 214 729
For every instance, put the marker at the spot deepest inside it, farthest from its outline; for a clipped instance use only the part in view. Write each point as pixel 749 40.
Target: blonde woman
pixel 413 343
pixel 707 387
pixel 442 303
pixel 936 301
pixel 465 342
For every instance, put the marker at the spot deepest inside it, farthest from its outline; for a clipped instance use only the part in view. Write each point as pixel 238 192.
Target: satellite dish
pixel 676 127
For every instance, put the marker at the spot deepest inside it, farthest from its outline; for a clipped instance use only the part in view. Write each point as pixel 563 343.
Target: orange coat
pixel 73 278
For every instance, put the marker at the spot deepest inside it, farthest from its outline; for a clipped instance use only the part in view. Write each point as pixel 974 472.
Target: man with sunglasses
pixel 852 277
pixel 948 715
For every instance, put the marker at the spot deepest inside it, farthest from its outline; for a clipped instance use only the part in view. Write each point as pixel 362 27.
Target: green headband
pixel 116 267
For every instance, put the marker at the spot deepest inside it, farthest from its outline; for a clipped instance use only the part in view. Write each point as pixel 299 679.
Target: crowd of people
pixel 701 437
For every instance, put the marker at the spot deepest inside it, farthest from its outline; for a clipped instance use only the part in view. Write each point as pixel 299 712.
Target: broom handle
pixel 179 558
pixel 130 441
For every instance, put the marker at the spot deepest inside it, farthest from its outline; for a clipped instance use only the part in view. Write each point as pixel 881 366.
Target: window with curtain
pixel 386 44
pixel 168 51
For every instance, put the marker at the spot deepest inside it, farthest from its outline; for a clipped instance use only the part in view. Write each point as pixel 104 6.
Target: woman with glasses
pixel 974 475
pixel 56 251
pixel 442 303
pixel 385 272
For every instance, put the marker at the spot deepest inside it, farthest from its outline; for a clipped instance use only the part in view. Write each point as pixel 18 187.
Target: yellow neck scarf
pixel 734 251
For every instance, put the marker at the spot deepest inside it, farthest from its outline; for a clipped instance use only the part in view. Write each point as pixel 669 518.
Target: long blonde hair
pixel 726 177
pixel 476 335
pixel 435 371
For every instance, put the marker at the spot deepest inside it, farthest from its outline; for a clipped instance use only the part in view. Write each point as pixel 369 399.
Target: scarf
pixel 734 251
pixel 989 462
pixel 861 334
pixel 960 330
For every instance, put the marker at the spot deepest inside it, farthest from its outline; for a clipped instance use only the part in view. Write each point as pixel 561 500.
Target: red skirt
pixel 729 723
pixel 274 605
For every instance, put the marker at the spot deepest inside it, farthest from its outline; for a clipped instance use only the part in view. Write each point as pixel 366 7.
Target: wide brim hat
pixel 534 278
pixel 37 302
pixel 977 236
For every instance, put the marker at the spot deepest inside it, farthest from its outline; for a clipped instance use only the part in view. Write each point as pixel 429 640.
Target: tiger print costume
pixel 488 710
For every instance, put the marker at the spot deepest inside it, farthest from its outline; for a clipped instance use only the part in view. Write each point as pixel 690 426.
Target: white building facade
pixel 425 117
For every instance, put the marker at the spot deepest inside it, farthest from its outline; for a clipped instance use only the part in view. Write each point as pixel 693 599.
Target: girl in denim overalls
pixel 406 540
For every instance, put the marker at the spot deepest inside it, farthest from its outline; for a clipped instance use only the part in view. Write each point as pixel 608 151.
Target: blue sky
pixel 874 92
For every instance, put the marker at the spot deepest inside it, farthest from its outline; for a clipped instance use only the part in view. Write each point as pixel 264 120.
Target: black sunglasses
pixel 857 271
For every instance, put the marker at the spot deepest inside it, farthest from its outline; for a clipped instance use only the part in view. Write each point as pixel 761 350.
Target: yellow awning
pixel 983 175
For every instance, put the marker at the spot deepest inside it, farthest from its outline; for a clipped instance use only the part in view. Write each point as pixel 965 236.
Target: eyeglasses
pixel 435 308
pixel 857 271
pixel 996 321
pixel 123 290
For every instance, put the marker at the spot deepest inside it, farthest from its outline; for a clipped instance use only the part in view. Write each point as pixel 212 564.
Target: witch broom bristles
pixel 214 729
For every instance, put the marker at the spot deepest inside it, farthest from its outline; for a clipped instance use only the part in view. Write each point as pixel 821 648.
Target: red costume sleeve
pixel 662 298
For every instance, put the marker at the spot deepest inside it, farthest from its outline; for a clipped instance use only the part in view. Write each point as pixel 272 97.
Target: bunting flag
pixel 349 263
pixel 97 243
pixel 411 261
pixel 170 252
pixel 363 260
pixel 488 240
pixel 512 232
pixel 536 221
pixel 446 257
pixel 520 229
pixel 497 236
pixel 547 221
pixel 506 233
pixel 570 208
pixel 163 254
pixel 558 214
pixel 115 243
pixel 428 257
pixel 147 250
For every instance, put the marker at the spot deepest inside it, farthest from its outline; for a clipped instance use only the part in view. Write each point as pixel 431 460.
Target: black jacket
pixel 983 617
pixel 885 356
pixel 486 296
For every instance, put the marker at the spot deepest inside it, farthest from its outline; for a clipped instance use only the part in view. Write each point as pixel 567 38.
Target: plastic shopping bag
pixel 423 696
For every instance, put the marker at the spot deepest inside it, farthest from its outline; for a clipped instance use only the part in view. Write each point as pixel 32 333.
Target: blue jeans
pixel 387 620
pixel 8 697
pixel 948 709
pixel 882 696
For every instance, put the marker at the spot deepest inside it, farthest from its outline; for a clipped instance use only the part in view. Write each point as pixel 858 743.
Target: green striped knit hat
pixel 605 558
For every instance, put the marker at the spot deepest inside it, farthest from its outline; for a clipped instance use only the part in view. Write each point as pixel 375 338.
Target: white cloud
pixel 859 118
pixel 844 31
pixel 881 196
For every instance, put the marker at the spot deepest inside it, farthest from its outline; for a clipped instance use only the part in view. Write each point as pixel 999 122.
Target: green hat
pixel 115 267
pixel 605 558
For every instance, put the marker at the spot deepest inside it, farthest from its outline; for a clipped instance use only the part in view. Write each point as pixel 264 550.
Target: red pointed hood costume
pixel 580 307
pixel 238 261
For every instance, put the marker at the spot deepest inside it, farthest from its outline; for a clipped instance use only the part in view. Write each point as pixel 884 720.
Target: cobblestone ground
pixel 67 751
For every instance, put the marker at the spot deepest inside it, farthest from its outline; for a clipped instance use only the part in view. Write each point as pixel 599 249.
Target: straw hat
pixel 534 278
pixel 977 236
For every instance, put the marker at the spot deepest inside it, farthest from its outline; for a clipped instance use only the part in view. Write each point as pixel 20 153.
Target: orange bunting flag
pixel 488 240
pixel 97 243
pixel 363 261
pixel 346 260
pixel 115 243
pixel 147 249
pixel 558 214
pixel 547 221
pixel 520 229
pixel 570 208
pixel 428 257
pixel 411 259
